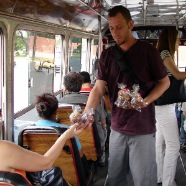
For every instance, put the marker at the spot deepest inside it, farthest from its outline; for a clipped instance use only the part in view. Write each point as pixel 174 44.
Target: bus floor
pixel 180 178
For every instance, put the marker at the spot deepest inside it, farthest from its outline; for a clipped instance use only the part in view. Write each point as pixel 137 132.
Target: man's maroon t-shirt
pixel 147 65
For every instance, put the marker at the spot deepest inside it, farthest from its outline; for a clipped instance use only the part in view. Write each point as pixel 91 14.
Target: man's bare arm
pixel 96 94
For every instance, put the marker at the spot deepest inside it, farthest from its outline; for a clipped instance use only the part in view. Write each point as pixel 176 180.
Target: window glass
pixel 75 54
pixel 181 58
pixel 37 69
pixel 94 57
pixel 84 55
pixel 37 66
pixel 21 64
pixel 58 61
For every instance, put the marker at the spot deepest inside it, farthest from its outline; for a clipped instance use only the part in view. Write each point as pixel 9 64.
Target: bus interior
pixel 42 40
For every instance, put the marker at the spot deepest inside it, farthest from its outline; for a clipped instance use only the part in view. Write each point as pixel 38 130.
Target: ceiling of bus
pixel 83 14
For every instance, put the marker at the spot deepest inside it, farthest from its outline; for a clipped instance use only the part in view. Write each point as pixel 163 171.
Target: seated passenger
pixel 72 86
pixel 46 106
pixel 14 157
pixel 86 84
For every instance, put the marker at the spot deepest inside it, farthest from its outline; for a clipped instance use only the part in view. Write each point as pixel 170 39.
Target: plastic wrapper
pixel 136 99
pixel 76 115
pixel 90 115
pixel 123 99
pixel 83 119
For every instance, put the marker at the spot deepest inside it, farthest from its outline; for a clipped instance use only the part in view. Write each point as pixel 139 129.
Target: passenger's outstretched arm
pixel 14 157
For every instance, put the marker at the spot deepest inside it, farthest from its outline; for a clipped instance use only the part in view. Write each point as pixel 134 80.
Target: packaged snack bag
pixel 123 99
pixel 136 99
pixel 82 119
pixel 75 116
pixel 90 115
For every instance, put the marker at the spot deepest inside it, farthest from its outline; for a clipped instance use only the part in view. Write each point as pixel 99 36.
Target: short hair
pixel 120 9
pixel 167 40
pixel 73 82
pixel 86 77
pixel 46 105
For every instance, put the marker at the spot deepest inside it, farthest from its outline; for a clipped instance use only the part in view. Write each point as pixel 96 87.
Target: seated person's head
pixel 46 106
pixel 86 77
pixel 73 82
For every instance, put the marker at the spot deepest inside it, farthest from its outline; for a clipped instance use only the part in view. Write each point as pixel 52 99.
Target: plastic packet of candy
pixel 76 115
pixel 82 119
pixel 90 115
pixel 136 99
pixel 123 99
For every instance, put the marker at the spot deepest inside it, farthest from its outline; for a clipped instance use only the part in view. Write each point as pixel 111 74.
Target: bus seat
pixel 89 137
pixel 63 114
pixel 85 92
pixel 12 179
pixel 40 139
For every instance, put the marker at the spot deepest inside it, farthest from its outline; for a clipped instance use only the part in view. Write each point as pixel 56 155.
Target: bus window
pixel 94 56
pixel 58 61
pixel 84 55
pixel 74 54
pixel 37 69
pixel 181 57
pixel 21 62
pixel 37 64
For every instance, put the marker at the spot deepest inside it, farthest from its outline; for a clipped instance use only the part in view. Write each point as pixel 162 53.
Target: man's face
pixel 119 28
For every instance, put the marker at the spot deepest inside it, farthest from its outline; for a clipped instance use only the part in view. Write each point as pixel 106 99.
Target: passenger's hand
pixel 73 131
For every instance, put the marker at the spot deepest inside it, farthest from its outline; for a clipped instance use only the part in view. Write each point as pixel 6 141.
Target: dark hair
pixel 46 105
pixel 120 9
pixel 167 40
pixel 73 82
pixel 85 76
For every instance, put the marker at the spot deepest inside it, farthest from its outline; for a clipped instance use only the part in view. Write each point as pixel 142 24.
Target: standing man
pixel 132 138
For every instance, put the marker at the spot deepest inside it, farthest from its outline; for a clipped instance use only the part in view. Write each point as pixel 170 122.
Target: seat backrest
pixel 63 114
pixel 88 142
pixel 40 139
pixel 88 138
pixel 12 179
pixel 85 93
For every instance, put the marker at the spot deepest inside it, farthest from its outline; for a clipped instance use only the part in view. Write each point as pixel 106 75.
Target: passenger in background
pixel 101 114
pixel 167 135
pixel 72 86
pixel 132 141
pixel 86 82
pixel 46 106
pixel 14 158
